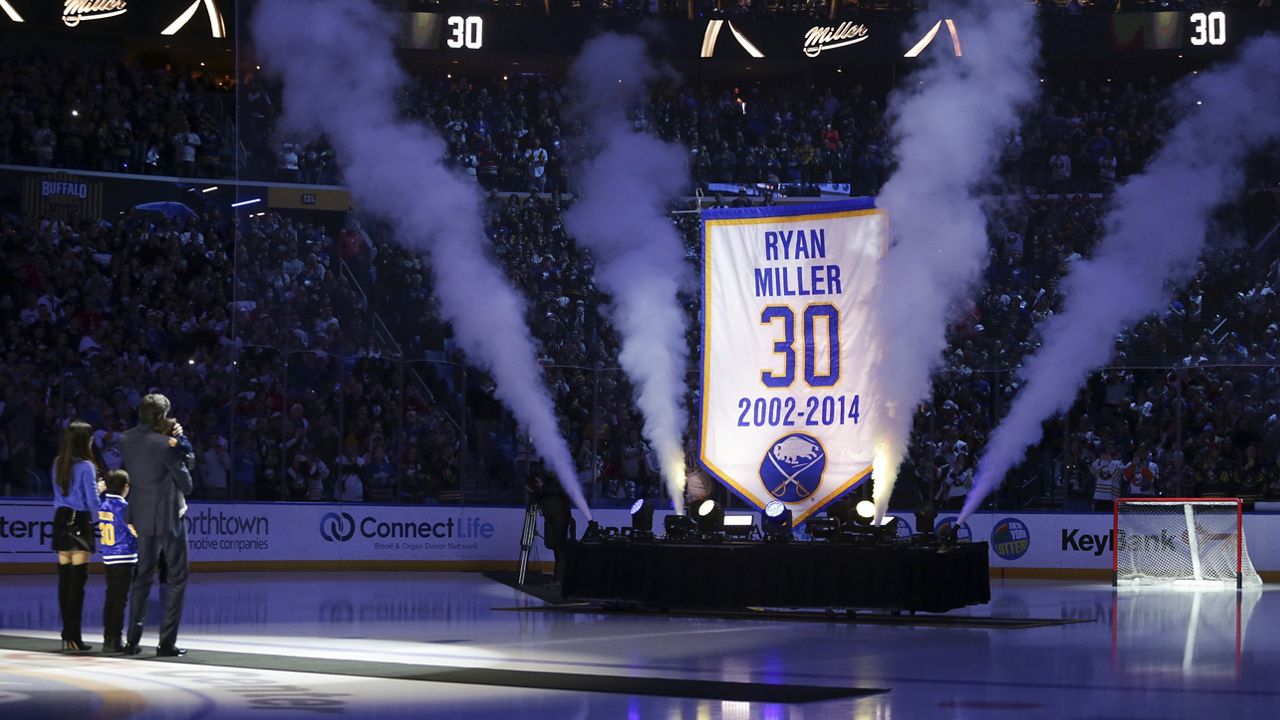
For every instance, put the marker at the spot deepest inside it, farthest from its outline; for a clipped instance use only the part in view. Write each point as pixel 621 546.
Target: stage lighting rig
pixel 824 527
pixel 679 527
pixel 868 533
pixel 709 517
pixel 642 519
pixel 593 533
pixel 739 527
pixel 864 513
pixel 776 521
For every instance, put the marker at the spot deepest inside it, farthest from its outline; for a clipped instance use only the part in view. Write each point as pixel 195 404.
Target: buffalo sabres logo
pixel 792 469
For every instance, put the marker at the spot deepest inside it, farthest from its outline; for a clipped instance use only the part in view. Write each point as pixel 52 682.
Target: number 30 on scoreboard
pixel 465 32
pixel 1208 28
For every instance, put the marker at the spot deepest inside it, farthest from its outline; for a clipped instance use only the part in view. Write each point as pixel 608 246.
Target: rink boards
pixel 241 535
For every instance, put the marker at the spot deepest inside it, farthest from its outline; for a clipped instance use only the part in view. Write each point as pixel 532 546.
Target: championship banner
pixel 62 196
pixel 787 335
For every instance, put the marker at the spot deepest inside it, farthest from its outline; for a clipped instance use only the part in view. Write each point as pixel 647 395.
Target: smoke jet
pixel 341 78
pixel 950 123
pixel 621 216
pixel 1154 234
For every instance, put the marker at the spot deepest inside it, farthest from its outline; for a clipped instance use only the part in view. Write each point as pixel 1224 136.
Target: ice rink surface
pixel 449 645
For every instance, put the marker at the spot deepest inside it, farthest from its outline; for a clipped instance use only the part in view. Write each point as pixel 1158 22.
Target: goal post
pixel 1196 541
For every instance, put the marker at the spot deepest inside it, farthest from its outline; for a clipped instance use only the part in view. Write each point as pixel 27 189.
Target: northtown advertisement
pixel 283 532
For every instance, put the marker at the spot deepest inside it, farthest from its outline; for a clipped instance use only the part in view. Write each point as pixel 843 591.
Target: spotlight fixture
pixel 593 532
pixel 709 517
pixel 864 513
pixel 776 522
pixel 642 517
pixel 679 527
pixel 739 527
pixel 824 527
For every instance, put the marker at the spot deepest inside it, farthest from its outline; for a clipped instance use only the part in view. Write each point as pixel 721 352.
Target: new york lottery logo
pixel 1010 538
pixel 963 532
pixel 792 468
pixel 337 527
pixel 904 528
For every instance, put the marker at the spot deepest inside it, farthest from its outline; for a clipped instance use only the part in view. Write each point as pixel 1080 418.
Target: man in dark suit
pixel 158 480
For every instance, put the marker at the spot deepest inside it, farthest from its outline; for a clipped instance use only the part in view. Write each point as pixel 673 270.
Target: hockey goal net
pixel 1181 540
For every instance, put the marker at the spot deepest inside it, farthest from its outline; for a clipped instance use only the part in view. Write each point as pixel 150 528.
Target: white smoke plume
pixel 625 185
pixel 1153 235
pixel 341 78
pixel 950 123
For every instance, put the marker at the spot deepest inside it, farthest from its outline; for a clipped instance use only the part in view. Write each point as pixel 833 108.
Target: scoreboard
pixel 873 37
pixel 1184 31
pixel 1208 28
pixel 443 31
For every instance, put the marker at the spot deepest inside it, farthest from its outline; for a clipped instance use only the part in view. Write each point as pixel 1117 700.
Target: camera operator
pixel 544 491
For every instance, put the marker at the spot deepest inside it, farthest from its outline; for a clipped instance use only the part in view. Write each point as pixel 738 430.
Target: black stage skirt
pixel 72 530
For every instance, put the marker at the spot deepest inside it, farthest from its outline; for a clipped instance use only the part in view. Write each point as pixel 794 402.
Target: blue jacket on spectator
pixel 83 495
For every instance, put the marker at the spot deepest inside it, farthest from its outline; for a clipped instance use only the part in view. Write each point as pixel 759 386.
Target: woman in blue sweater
pixel 75 502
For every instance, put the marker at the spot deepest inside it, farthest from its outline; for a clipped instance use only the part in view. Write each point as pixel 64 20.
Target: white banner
pixel 787 329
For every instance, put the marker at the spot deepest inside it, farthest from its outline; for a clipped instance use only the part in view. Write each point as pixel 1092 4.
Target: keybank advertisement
pixel 1085 541
pixel 283 532
pixel 291 532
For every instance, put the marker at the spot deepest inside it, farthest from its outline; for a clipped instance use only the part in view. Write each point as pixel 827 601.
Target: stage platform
pixel 816 574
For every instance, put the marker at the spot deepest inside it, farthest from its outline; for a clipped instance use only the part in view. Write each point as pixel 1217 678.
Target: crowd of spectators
pixel 513 133
pixel 577 347
pixel 286 389
pixel 1188 407
pixel 94 314
pixel 1220 334
pixel 77 112
pixel 259 344
pixel 309 361
pixel 514 136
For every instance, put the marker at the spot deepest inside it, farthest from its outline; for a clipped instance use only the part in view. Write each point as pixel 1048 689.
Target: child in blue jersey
pixel 119 545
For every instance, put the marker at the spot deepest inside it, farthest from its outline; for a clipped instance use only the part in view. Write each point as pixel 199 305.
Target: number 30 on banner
pixel 785 347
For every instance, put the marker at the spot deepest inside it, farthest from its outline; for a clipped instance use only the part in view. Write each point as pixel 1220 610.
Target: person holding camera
pixel 544 491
